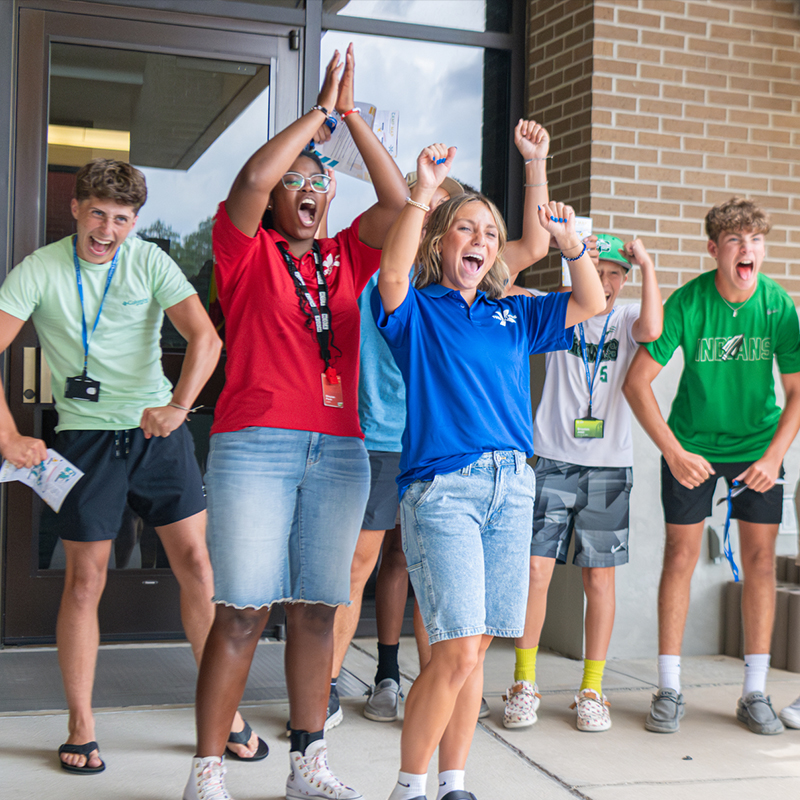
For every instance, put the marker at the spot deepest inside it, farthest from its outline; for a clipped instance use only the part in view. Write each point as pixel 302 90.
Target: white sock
pixel 409 786
pixel 756 668
pixel 451 780
pixel 669 673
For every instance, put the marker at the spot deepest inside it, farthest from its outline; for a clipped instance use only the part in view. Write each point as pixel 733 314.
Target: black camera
pixel 82 387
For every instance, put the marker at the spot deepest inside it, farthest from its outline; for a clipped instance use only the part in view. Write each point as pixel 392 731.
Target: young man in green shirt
pixel 97 301
pixel 730 323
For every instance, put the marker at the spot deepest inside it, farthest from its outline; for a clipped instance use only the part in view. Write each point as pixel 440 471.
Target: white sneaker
pixel 311 776
pixel 593 714
pixel 207 780
pixel 522 700
pixel 790 716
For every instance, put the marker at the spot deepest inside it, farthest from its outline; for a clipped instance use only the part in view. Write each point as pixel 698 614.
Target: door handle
pixel 29 374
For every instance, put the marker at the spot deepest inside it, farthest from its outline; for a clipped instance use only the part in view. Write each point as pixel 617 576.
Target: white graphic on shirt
pixel 329 262
pixel 504 316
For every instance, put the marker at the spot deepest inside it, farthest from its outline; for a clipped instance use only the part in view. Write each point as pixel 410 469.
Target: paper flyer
pixel 340 152
pixel 583 227
pixel 52 480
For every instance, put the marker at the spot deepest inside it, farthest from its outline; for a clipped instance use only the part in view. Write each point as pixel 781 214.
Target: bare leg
pixel 433 696
pixel 391 591
pixel 227 656
pixel 757 545
pixel 681 552
pixel 78 637
pixel 364 559
pixel 309 656
pixel 598 583
pixel 541 573
pixel 457 738
pixel 185 545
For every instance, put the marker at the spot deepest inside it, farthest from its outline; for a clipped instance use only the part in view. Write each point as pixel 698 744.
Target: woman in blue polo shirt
pixel 467 492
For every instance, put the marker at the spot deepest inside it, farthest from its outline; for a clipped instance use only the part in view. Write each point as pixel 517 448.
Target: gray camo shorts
pixel 594 501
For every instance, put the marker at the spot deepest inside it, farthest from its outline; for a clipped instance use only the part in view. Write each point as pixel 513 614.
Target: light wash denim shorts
pixel 467 539
pixel 284 513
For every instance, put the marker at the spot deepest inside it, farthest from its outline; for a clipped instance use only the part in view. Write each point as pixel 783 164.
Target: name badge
pixel 332 389
pixel 81 387
pixel 588 428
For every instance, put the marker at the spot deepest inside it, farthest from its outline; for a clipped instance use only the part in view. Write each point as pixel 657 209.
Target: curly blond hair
pixel 734 215
pixel 429 258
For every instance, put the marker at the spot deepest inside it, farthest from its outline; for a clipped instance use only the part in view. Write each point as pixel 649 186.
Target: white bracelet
pixel 544 158
pixel 183 408
pixel 421 206
pixel 535 184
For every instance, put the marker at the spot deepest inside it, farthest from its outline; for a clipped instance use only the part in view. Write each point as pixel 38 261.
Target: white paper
pixel 341 153
pixel 583 227
pixel 52 480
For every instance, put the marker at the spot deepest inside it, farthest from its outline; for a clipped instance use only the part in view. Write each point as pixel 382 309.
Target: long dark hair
pixel 266 219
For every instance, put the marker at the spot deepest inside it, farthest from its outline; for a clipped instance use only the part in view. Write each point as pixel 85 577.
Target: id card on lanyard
pixel 588 427
pixel 332 396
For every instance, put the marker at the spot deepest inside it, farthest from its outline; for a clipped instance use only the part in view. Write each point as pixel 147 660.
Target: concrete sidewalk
pixel 148 750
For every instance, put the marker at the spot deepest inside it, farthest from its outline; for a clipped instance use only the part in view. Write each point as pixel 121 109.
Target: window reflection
pixel 437 90
pixel 469 15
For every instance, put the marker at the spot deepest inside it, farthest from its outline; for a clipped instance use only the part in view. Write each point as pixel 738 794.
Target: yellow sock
pixel 525 666
pixel 593 676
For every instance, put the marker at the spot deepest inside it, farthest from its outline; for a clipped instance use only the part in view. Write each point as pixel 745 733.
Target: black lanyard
pixel 320 312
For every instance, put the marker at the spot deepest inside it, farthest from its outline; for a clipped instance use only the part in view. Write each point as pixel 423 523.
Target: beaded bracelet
pixel 353 110
pixel 577 256
pixel 318 107
pixel 421 206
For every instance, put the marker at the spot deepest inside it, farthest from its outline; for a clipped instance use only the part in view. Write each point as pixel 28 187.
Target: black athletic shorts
pixel 158 477
pixel 684 506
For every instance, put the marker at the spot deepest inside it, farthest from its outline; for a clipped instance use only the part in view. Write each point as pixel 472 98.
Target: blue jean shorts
pixel 284 512
pixel 467 539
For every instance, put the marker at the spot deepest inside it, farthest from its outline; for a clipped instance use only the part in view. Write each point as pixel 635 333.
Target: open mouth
pixel 472 262
pixel 307 211
pixel 99 247
pixel 744 269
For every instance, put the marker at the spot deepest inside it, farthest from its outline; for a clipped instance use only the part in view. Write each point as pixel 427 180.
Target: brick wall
pixel 559 97
pixel 691 102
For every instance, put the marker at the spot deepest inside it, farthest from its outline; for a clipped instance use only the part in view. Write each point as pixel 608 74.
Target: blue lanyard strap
pixel 726 540
pixel 87 336
pixel 598 357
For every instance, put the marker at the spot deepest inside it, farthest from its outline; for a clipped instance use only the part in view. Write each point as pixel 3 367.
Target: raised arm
pixel 533 143
pixel 19 450
pixel 250 191
pixel 651 318
pixel 689 469
pixel 390 187
pixel 203 347
pixel 587 298
pixel 402 241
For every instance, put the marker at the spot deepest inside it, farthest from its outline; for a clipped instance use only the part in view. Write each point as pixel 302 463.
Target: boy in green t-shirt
pixel 730 323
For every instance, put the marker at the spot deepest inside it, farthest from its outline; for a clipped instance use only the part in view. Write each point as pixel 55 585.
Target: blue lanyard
pixel 87 336
pixel 598 358
pixel 726 539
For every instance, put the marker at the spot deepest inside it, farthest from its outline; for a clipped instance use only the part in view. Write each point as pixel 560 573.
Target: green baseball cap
pixel 612 248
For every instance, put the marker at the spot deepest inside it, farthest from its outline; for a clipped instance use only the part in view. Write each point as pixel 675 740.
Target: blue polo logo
pixel 504 317
pixel 135 302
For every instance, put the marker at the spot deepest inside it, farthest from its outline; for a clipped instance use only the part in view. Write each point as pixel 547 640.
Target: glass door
pixel 186 105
